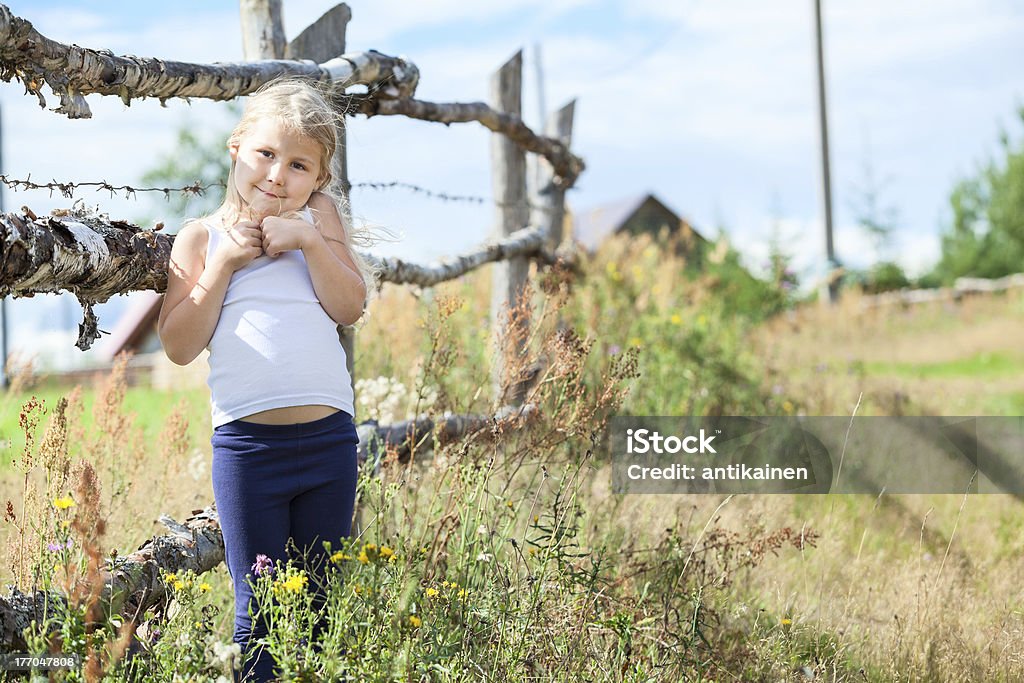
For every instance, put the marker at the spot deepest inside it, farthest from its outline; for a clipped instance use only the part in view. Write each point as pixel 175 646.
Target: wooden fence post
pixel 548 205
pixel 508 174
pixel 262 29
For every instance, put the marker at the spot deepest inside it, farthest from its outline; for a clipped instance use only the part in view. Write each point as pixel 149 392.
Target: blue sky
pixel 710 105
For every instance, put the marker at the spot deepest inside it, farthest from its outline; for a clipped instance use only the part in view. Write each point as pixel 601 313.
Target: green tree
pixel 199 157
pixel 986 238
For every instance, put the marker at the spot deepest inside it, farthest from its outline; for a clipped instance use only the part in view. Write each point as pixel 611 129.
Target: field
pixel 507 558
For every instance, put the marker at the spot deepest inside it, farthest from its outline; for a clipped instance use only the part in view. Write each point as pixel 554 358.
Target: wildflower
pixel 531 551
pixel 482 530
pixel 227 654
pixel 415 621
pixel 787 407
pixel 204 587
pixel 462 593
pixel 178 585
pixel 786 622
pixel 508 504
pixel 57 547
pixel 484 557
pixel 63 503
pixel 171 578
pixel 676 319
pixel 614 350
pixel 636 341
pixel 263 566
pixel 432 592
pixel 339 557
pixel 387 553
pixel 296 583
pixel 369 553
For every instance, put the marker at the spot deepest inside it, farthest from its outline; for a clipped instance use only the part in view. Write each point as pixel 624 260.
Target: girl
pixel 263 283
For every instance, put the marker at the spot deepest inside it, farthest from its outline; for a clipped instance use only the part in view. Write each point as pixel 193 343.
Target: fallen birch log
pixel 133 583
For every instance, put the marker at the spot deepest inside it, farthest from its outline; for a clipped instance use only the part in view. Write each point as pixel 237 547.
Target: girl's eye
pixel 266 153
pixel 299 166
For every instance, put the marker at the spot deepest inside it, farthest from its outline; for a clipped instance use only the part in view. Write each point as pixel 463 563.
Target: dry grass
pixel 914 587
pixel 828 357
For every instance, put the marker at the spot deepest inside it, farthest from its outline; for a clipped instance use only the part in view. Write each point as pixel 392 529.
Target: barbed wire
pixel 67 189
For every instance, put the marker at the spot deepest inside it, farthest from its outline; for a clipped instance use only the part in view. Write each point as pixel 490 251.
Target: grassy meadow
pixel 505 557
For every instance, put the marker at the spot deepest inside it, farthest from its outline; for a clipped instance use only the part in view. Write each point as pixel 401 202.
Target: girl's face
pixel 276 169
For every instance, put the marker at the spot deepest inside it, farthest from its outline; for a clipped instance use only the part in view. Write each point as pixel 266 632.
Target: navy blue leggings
pixel 273 484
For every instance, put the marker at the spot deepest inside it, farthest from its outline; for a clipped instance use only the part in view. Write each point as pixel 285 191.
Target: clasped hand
pixel 272 236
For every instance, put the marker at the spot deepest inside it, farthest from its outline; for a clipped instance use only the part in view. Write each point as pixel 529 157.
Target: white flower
pixel 226 653
pixel 484 557
pixel 482 530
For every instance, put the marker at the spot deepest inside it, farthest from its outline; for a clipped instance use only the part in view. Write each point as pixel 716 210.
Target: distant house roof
pixel 135 324
pixel 592 226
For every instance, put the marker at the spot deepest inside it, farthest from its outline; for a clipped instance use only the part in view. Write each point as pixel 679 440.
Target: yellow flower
pixel 369 553
pixel 508 504
pixel 676 319
pixel 178 585
pixel 339 557
pixel 531 551
pixel 636 341
pixel 204 587
pixel 787 408
pixel 63 503
pixel 786 622
pixel 461 593
pixel 415 621
pixel 171 578
pixel 387 553
pixel 431 592
pixel 296 583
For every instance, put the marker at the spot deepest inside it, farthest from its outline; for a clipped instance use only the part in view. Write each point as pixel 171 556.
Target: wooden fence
pixel 95 258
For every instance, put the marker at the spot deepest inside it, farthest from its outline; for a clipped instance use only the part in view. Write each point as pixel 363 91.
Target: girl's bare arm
pixel 336 278
pixel 196 289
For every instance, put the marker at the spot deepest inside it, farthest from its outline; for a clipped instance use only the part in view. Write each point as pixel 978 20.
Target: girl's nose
pixel 274 173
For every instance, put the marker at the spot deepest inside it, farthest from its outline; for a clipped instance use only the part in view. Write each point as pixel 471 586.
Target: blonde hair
pixel 303 107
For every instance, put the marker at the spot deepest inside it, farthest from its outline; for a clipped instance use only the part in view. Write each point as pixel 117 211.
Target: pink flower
pixel 263 566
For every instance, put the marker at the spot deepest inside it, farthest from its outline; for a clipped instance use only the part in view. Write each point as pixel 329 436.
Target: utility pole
pixel 831 286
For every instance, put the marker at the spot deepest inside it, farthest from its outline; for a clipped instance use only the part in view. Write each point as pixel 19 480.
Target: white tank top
pixel 274 345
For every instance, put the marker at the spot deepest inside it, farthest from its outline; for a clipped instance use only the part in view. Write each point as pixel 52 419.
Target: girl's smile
pixel 276 169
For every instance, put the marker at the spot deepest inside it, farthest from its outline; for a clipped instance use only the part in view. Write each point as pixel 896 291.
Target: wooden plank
pixel 320 40
pixel 508 177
